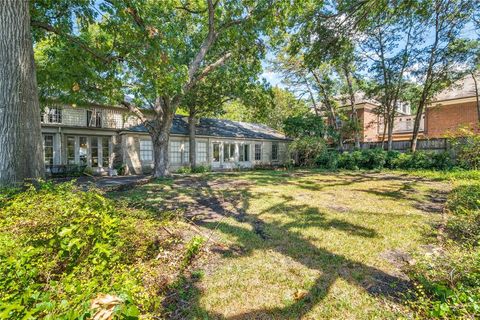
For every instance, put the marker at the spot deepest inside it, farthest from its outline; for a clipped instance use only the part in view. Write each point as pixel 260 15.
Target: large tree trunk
pixel 191 136
pixel 160 134
pixel 21 150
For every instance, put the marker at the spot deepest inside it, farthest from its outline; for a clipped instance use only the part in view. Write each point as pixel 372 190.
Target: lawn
pixel 304 244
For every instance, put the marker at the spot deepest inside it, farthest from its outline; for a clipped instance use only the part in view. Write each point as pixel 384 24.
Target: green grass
pixel 301 244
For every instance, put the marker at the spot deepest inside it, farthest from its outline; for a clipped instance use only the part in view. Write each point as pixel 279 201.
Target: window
pixel 175 151
pixel 48 149
pixel 105 152
pixel 94 151
pixel 186 152
pixel 258 152
pixel 245 152
pixel 94 119
pixel 216 152
pixel 71 150
pixel 229 152
pixel 274 151
pixel 146 150
pixel 201 152
pixel 53 115
pixel 83 150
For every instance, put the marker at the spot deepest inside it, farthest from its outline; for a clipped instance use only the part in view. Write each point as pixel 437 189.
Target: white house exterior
pixel 103 138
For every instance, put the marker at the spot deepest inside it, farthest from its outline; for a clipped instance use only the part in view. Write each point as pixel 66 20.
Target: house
pixel 450 110
pixel 106 137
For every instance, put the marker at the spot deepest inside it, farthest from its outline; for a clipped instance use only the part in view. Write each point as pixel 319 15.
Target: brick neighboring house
pixel 451 109
pixel 371 123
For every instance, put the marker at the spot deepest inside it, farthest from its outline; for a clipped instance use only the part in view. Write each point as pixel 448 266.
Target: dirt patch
pixel 338 208
pixel 398 258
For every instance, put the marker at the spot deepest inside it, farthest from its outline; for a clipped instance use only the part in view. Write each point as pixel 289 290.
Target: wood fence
pixel 436 145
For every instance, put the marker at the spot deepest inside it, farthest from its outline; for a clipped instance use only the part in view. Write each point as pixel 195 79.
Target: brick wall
pixel 443 119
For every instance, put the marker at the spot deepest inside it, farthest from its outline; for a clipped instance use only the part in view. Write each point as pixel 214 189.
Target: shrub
pixel 390 159
pixel 467 148
pixel 327 160
pixel 464 205
pixel 197 169
pixel 62 247
pixel 448 284
pixel 442 161
pixel 350 160
pixel 373 159
pixel 307 149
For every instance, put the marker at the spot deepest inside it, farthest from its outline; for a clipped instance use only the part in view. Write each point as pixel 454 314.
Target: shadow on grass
pixel 282 238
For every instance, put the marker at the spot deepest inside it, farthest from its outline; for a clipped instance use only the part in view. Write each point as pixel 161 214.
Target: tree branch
pixel 135 110
pixel 75 40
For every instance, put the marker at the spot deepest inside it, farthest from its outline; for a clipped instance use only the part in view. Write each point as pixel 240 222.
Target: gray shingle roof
pixel 221 128
pixel 463 88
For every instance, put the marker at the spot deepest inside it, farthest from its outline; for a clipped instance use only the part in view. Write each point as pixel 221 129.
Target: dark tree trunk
pixel 160 134
pixel 191 137
pixel 21 151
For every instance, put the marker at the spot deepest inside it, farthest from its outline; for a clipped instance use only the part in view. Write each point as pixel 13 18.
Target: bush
pixel 350 160
pixel 197 169
pixel 373 159
pixel 468 149
pixel 62 247
pixel 327 160
pixel 390 159
pixel 464 206
pixel 448 284
pixel 307 149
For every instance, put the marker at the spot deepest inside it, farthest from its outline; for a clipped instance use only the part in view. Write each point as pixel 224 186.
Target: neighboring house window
pixel 71 150
pixel 258 152
pixel 245 152
pixel 53 115
pixel 216 152
pixel 83 150
pixel 48 149
pixel 176 151
pixel 274 151
pixel 105 152
pixel 201 152
pixel 94 119
pixel 186 152
pixel 146 150
pixel 229 152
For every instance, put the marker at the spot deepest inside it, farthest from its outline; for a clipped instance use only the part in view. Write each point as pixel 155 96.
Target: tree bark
pixel 191 137
pixel 160 134
pixel 21 150
pixel 354 115
pixel 391 123
pixel 416 125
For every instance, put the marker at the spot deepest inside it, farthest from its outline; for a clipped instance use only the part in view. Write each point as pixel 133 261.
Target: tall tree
pixel 21 152
pixel 439 60
pixel 156 54
pixel 389 45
